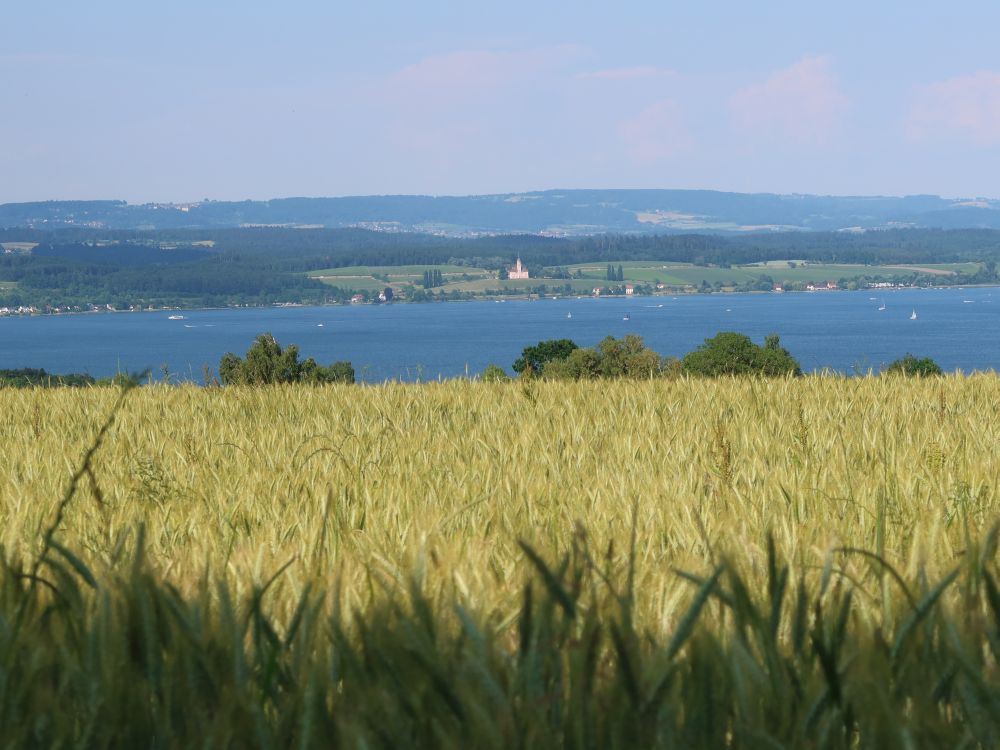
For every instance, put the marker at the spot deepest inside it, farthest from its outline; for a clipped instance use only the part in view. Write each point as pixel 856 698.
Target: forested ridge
pixel 563 212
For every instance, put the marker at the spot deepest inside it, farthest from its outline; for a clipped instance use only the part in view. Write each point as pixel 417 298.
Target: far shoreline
pixel 484 298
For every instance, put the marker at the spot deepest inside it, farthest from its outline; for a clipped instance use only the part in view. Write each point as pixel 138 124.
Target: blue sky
pixel 233 100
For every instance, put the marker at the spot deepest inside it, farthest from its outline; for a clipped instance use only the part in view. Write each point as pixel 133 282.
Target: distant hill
pixel 552 212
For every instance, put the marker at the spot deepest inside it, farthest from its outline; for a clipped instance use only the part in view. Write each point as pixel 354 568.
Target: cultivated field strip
pixel 362 485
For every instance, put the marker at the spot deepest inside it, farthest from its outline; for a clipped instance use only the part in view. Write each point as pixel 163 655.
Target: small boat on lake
pixel 913 315
pixel 176 317
pixel 626 317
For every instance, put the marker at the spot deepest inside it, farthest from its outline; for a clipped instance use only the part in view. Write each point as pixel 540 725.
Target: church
pixel 518 271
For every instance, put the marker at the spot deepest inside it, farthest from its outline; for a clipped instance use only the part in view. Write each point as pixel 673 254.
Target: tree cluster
pixel 913 366
pixel 30 377
pixel 727 353
pixel 730 353
pixel 433 278
pixel 534 358
pixel 627 357
pixel 267 363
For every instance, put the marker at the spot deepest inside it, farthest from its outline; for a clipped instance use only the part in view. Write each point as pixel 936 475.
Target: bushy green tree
pixel 730 353
pixel 494 374
pixel 534 358
pixel 267 363
pixel 230 369
pixel 628 357
pixel 582 364
pixel 915 367
pixel 341 371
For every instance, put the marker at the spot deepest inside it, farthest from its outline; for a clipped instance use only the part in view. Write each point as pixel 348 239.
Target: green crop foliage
pixel 737 562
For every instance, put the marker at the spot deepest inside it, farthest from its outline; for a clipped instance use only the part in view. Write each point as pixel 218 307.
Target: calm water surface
pixel 960 328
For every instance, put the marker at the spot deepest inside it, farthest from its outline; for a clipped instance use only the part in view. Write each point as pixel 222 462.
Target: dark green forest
pixel 251 266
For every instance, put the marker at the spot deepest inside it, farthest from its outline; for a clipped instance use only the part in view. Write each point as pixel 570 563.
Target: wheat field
pixel 342 481
pixel 804 562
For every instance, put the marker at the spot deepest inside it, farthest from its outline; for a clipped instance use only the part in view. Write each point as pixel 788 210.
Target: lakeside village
pixel 517 272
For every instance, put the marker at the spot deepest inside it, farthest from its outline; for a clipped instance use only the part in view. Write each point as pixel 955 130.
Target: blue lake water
pixel 960 328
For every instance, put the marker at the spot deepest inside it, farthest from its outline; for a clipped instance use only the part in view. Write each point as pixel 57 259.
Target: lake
pixel 959 328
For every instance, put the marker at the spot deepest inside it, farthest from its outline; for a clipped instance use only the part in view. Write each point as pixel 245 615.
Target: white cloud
pixel 803 101
pixel 473 72
pixel 966 107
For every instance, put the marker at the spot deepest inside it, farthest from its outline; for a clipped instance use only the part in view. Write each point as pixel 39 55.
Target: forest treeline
pixel 261 265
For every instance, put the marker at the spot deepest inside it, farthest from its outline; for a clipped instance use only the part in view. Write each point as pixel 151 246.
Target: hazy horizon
pixel 291 196
pixel 246 101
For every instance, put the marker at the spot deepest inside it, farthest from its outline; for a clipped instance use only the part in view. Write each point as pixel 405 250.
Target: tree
pixel 432 278
pixel 775 359
pixel 611 358
pixel 494 374
pixel 914 367
pixel 621 273
pixel 730 353
pixel 267 363
pixel 534 358
pixel 341 371
pixel 230 369
pixel 627 358
pixel 581 364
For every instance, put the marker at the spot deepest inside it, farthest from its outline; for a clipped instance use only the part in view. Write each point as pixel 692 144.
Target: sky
pixel 185 100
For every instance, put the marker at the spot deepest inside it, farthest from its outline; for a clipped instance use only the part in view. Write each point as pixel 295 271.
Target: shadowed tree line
pixel 726 354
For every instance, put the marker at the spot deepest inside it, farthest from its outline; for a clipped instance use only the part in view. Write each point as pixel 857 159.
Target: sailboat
pixel 913 315
pixel 626 317
pixel 881 306
pixel 569 315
